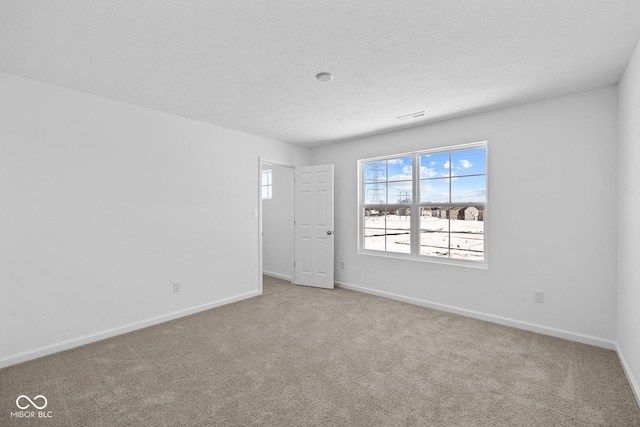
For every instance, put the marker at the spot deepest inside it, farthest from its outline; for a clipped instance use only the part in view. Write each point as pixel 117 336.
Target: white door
pixel 313 230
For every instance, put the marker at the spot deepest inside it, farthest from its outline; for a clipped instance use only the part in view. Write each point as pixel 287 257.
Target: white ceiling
pixel 250 65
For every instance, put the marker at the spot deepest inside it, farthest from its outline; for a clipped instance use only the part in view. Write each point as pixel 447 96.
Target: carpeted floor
pixel 299 356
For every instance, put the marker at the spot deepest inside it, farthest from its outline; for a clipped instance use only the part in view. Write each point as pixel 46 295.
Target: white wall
pixel 277 224
pixel 105 204
pixel 551 220
pixel 628 224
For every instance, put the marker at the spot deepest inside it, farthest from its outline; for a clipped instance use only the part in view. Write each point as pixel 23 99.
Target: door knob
pixel 329 232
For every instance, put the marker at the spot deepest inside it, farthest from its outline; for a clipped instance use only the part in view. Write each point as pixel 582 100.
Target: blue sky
pixel 437 171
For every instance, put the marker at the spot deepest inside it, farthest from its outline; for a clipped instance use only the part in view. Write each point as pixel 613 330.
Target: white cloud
pixel 447 164
pixel 405 175
pixel 400 177
pixel 465 164
pixel 396 161
pixel 426 172
pixel 432 164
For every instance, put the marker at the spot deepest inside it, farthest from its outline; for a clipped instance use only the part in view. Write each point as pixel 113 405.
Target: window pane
pixel 434 165
pixel 374 218
pixel 469 189
pixel 375 171
pixel 374 239
pixel 434 190
pixel 266 183
pixel 399 219
pixel 399 230
pixel 375 193
pixel 388 231
pixel 469 162
pixel 399 241
pixel 467 233
pixel 400 169
pixel 375 229
pixel 400 192
pixel 434 232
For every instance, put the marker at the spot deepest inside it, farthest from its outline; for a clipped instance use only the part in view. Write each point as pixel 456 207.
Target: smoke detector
pixel 324 77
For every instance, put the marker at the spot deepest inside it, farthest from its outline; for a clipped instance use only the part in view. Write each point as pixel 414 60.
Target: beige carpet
pixel 300 356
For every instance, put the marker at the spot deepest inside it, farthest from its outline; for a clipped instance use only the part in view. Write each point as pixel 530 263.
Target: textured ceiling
pixel 250 65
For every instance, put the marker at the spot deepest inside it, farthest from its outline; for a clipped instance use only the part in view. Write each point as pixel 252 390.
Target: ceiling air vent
pixel 411 116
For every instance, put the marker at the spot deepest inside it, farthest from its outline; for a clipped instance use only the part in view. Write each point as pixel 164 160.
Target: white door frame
pixel 261 163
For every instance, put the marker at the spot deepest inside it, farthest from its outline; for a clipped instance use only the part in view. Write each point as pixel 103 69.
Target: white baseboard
pixel 87 339
pixel 558 333
pixel 627 371
pixel 277 275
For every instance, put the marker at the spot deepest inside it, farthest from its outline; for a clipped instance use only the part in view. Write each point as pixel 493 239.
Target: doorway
pixel 277 216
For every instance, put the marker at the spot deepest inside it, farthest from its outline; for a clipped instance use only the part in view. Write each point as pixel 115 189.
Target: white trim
pixel 261 162
pixel 278 275
pixel 87 339
pixel 455 147
pixel 627 371
pixel 545 330
pixel 430 259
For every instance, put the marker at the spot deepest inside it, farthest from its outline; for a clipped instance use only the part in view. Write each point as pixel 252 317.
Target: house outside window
pixel 427 205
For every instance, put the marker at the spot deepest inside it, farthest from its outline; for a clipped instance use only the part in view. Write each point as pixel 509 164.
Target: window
pixel 427 205
pixel 267 184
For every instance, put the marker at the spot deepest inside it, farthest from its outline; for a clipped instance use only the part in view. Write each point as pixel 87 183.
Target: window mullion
pixel 449 211
pixel 415 208
pixel 386 208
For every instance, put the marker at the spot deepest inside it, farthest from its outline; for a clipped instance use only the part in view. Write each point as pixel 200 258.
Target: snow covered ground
pixel 467 237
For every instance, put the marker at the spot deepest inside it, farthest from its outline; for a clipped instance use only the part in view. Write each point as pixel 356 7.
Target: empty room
pixel 355 213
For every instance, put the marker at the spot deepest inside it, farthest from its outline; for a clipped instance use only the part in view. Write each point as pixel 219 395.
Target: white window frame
pixel 416 205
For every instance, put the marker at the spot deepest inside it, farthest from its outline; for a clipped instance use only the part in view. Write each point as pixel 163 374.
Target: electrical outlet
pixel 177 287
pixel 538 296
pixel 342 265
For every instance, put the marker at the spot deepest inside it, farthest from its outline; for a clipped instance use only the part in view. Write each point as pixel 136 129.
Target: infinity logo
pixel 22 396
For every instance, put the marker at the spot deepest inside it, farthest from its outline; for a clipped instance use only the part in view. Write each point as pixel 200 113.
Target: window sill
pixel 483 265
